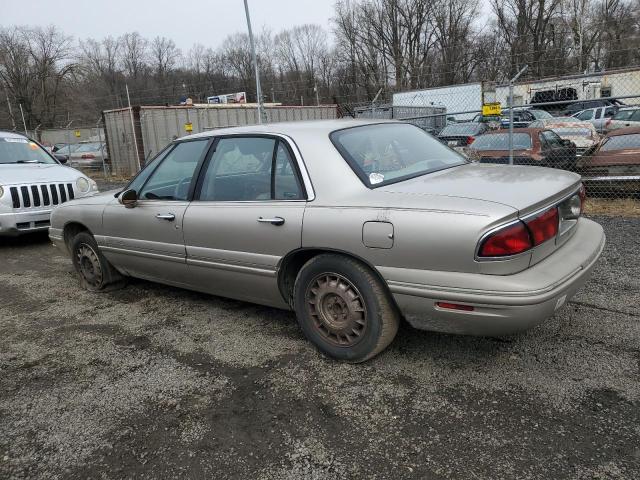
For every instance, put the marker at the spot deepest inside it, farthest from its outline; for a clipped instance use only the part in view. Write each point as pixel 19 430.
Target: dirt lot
pixel 156 382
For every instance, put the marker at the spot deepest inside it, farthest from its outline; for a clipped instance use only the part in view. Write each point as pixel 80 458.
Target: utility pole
pixel 133 128
pixel 511 82
pixel 315 89
pixel 262 117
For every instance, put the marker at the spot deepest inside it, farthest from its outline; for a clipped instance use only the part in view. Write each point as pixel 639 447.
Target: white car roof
pixel 7 134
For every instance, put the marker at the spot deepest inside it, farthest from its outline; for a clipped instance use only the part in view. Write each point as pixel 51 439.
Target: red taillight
pixel 470 140
pixel 88 156
pixel 508 241
pixel 455 306
pixel 544 226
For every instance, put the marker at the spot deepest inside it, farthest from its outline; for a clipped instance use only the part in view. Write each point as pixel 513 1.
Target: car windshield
pixel 461 129
pixel 87 147
pixel 623 115
pixel 500 141
pixel 621 142
pixel 573 132
pixel 387 153
pixel 22 150
pixel 539 114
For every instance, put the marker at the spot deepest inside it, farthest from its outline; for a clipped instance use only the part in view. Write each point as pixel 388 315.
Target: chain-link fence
pixel 83 147
pixel 589 124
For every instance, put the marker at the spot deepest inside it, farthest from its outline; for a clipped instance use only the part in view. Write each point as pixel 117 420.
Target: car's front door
pixel 246 215
pixel 147 241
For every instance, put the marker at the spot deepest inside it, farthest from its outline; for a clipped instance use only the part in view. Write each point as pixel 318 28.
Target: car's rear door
pixel 147 240
pixel 245 217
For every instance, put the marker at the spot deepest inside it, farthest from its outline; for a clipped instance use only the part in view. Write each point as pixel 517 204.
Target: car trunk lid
pixel 525 189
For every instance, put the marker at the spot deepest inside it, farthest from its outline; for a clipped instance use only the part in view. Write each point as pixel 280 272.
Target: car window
pixel 552 139
pixel 88 147
pixel 586 115
pixel 536 124
pixel 598 113
pixel 286 183
pixel 142 176
pixel 500 141
pixel 623 115
pixel 172 178
pixel 610 111
pixel 22 150
pixel 240 170
pixel 621 142
pixel 573 131
pixel 636 116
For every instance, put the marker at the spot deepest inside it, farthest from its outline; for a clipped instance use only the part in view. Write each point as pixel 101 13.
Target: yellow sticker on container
pixel 188 127
pixel 77 133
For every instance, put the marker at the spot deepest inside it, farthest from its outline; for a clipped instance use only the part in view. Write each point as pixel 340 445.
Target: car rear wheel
pixel 95 271
pixel 344 309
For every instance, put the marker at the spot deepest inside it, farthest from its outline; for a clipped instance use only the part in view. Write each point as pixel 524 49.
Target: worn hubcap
pixel 337 309
pixel 89 265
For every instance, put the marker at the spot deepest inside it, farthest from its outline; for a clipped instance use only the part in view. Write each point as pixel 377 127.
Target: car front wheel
pixel 344 309
pixel 95 271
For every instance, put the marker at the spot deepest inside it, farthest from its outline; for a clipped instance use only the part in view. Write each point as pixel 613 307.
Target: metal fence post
pixel 511 82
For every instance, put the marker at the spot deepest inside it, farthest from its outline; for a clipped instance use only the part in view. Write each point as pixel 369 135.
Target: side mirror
pixel 128 198
pixel 566 143
pixel 61 158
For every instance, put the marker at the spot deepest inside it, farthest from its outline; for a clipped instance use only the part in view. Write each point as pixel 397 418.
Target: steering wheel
pixel 177 190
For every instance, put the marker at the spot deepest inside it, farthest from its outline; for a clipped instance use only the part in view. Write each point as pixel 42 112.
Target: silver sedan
pixel 354 225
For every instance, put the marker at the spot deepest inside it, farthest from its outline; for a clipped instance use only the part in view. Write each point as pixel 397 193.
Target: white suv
pixel 32 183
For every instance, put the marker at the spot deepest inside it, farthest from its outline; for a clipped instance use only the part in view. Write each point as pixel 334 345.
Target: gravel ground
pixel 156 382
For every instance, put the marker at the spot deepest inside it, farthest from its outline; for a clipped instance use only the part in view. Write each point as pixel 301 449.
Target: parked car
pixel 89 155
pixel 589 104
pixel 582 134
pixel 626 117
pixel 598 117
pixel 396 225
pixel 64 148
pixel 531 146
pixel 614 164
pixel 32 183
pixel 523 117
pixel 460 135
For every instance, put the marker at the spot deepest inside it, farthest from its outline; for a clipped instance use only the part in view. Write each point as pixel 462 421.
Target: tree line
pixel 372 47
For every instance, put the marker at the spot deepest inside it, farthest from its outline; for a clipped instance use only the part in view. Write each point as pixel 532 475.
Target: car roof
pixel 306 127
pixel 623 131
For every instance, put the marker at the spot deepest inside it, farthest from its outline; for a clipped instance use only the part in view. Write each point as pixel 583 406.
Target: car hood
pixel 24 173
pixel 522 188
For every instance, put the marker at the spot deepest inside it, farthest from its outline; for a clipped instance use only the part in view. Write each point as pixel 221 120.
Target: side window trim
pixel 303 180
pixel 195 171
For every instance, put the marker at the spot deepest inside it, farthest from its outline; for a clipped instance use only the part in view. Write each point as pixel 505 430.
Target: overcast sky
pixel 186 22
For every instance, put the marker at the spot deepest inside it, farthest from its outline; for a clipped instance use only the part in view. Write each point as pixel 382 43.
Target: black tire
pixel 344 309
pixel 95 272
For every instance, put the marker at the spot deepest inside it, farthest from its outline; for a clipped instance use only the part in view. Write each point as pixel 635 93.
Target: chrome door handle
pixel 169 217
pixel 272 221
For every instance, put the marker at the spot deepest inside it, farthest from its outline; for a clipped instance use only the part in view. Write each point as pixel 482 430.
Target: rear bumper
pixel 505 303
pixel 17 223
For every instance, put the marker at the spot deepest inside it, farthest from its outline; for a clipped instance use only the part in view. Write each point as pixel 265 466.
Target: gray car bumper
pixel 502 304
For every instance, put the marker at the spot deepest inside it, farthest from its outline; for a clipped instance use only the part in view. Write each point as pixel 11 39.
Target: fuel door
pixel 377 234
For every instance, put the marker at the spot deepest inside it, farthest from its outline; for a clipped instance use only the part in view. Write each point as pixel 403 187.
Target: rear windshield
pixel 538 114
pixel 388 153
pixel 620 142
pixel 88 147
pixel 22 150
pixel 500 141
pixel 461 129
